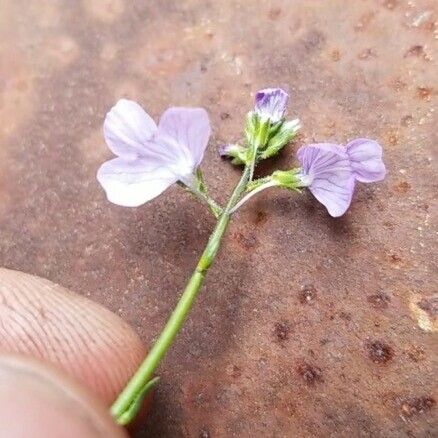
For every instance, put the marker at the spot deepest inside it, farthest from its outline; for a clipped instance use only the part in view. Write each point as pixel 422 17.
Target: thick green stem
pixel 145 373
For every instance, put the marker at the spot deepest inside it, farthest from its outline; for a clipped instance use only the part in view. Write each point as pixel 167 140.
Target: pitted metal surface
pixel 307 326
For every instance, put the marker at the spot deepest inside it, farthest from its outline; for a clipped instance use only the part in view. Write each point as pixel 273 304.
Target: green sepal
pixel 201 186
pixel 239 155
pixel 280 138
pixel 130 413
pixel 251 126
pixel 274 128
pixel 262 135
pixel 289 179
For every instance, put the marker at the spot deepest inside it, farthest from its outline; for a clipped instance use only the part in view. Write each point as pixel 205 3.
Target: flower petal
pixel 190 130
pixel 131 183
pixel 330 177
pixel 270 103
pixel 127 128
pixel 366 160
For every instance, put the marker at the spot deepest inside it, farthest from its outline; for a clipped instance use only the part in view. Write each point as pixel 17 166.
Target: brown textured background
pixel 307 326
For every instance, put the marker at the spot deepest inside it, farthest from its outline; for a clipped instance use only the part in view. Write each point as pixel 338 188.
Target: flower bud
pixel 270 104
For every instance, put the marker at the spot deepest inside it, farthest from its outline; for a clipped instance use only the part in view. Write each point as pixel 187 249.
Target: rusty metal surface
pixel 307 326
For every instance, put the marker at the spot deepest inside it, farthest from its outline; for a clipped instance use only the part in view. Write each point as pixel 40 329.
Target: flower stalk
pixel 215 209
pixel 151 157
pixel 129 401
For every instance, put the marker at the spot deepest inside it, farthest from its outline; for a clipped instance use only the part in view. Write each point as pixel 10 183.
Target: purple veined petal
pixel 366 160
pixel 131 183
pixel 270 103
pixel 127 129
pixel 189 128
pixel 328 175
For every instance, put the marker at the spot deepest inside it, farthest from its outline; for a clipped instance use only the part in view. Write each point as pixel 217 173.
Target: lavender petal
pixel 127 128
pixel 366 160
pixel 131 183
pixel 189 128
pixel 271 103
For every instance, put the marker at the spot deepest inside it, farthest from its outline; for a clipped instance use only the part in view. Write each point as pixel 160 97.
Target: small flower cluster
pixel 328 170
pixel 266 132
pixel 150 158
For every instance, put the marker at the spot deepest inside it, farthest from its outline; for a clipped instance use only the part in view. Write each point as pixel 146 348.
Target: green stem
pixel 144 374
pixel 261 137
pixel 252 193
pixel 213 206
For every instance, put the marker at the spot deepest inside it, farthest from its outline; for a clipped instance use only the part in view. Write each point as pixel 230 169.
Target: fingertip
pixel 38 401
pixel 43 320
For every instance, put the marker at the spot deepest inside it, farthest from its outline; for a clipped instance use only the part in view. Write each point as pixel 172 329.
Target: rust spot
pixel 336 55
pixel 390 4
pixel 395 258
pixel 234 371
pixel 260 217
pixel 379 352
pixel 313 40
pixel 402 187
pixel 425 311
pixel 346 316
pixel 281 330
pixel 417 405
pixel 379 300
pixel 416 353
pixel 424 93
pixel 307 294
pixel 367 53
pixel 416 50
pixel 399 84
pixel 310 373
pixel 247 242
pixel 407 120
pixel 364 21
pixel 274 13
pixel 393 140
pixel 388 224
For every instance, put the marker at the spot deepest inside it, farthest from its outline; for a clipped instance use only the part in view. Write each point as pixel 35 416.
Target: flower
pixel 326 171
pixel 330 171
pixel 270 104
pixel 150 158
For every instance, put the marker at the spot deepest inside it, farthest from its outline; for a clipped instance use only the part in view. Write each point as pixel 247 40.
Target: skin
pixel 63 360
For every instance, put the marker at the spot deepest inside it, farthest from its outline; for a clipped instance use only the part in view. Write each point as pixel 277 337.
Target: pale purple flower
pixel 270 104
pixel 150 158
pixel 326 171
pixel 366 160
pixel 330 171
